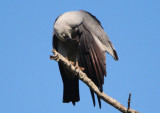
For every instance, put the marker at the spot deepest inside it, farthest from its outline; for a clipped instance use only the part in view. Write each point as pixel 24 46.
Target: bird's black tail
pixel 71 91
pixel 70 86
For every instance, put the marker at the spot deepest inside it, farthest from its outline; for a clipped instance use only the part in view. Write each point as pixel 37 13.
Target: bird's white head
pixel 66 24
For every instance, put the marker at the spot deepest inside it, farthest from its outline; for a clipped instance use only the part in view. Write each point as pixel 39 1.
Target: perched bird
pixel 79 36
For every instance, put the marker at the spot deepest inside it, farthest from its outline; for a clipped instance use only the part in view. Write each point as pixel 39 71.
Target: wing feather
pixel 95 28
pixel 92 58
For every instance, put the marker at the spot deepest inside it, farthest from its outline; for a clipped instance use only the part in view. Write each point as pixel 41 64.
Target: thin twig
pixel 129 101
pixel 83 77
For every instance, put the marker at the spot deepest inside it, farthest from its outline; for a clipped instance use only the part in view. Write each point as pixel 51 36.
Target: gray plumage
pixel 79 36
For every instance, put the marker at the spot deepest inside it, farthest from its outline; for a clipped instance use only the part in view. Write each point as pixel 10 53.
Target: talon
pixel 82 68
pixel 76 66
pixel 71 62
pixel 66 58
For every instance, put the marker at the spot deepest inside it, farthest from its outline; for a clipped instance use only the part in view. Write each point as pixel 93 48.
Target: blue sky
pixel 30 82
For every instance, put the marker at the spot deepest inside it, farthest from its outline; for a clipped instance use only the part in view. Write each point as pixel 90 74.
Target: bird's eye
pixel 75 28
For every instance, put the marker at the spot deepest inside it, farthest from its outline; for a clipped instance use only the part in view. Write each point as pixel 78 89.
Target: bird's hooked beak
pixel 65 37
pixel 69 37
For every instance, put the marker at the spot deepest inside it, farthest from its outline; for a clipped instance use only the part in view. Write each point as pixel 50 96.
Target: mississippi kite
pixel 79 36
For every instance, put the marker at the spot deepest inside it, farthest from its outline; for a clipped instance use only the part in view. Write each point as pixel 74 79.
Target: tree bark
pixel 83 77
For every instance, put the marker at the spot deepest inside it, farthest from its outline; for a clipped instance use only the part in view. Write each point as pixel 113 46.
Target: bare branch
pixel 129 101
pixel 83 77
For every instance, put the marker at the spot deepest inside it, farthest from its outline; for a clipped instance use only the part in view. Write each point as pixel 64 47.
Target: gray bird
pixel 79 36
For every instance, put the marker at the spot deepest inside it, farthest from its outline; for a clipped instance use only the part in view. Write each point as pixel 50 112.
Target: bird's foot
pixel 66 58
pixel 69 61
pixel 77 67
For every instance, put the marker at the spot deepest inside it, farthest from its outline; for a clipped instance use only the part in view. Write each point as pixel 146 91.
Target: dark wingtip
pixel 93 98
pixel 115 55
pixel 99 101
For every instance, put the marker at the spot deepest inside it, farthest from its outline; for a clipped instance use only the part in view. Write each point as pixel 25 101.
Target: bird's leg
pixel 77 68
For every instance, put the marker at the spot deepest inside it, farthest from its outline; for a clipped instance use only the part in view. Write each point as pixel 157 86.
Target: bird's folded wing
pixel 92 57
pixel 92 24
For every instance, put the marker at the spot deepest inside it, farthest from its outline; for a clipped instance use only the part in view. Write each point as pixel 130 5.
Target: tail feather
pixel 71 91
pixel 70 86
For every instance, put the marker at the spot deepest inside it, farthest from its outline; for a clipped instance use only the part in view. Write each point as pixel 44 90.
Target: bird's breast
pixel 69 49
